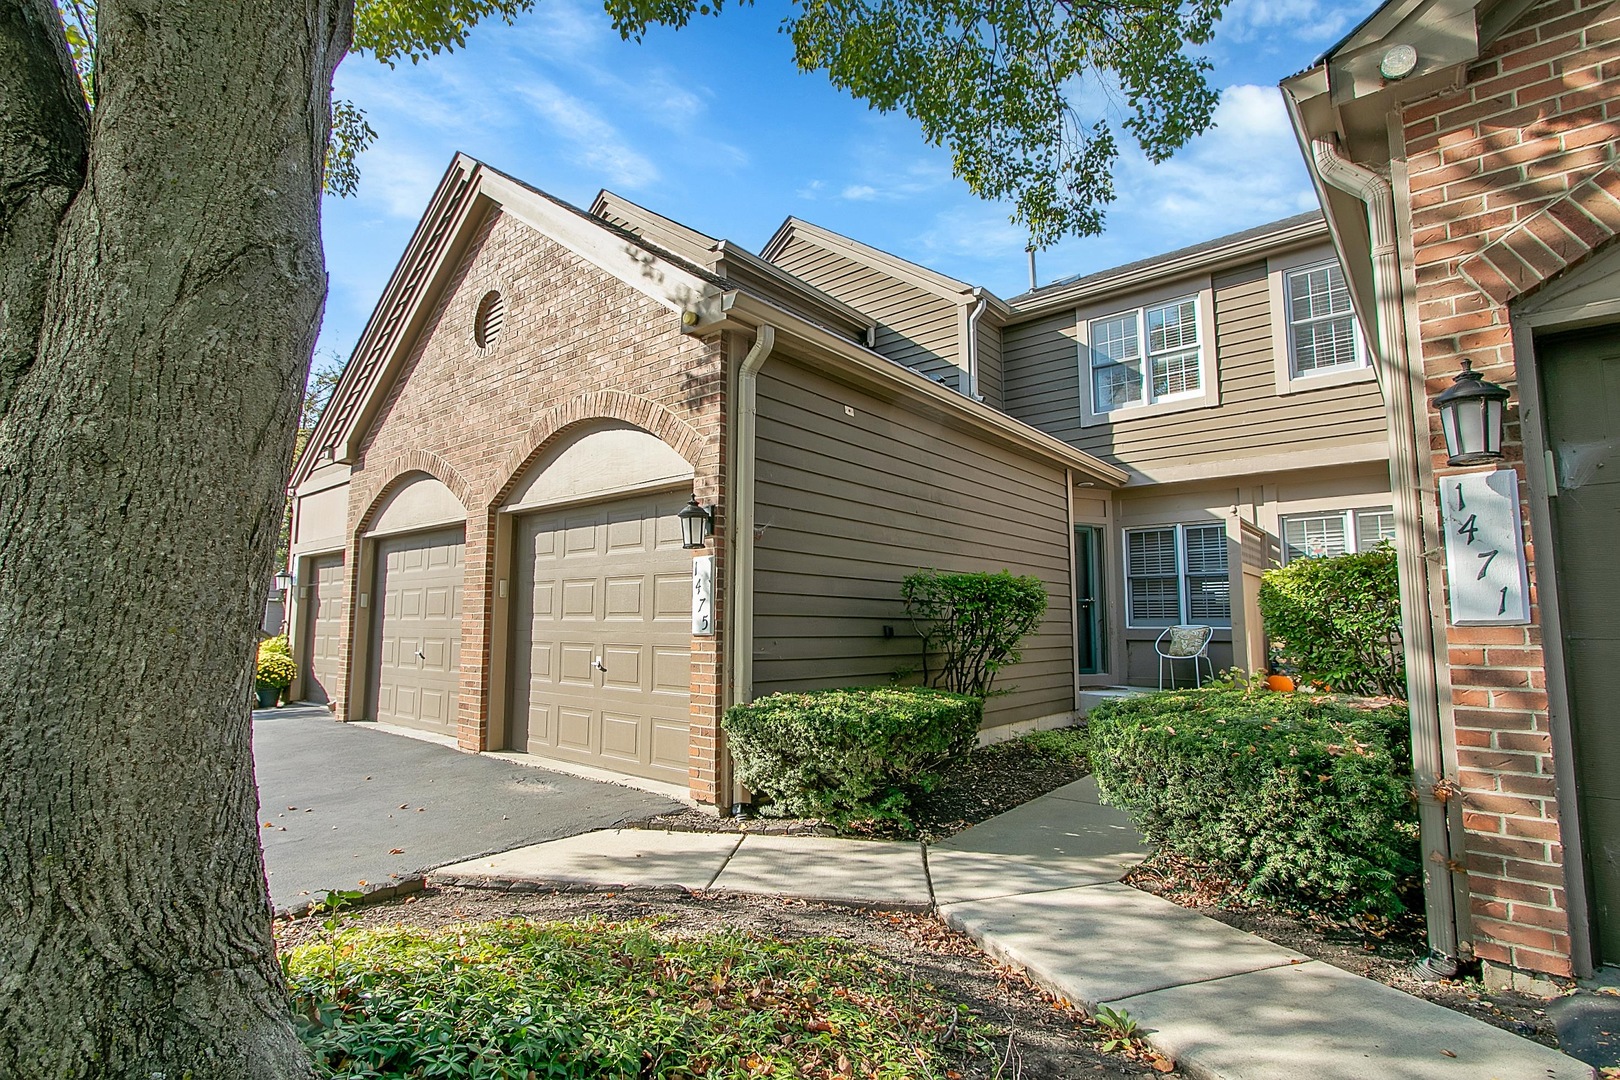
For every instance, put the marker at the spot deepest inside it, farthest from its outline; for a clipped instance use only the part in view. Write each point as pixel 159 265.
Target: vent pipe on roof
pixel 1030 251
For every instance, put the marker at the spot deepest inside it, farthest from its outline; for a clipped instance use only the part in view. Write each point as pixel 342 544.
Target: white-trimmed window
pixel 1322 334
pixel 1177 574
pixel 1146 355
pixel 1336 532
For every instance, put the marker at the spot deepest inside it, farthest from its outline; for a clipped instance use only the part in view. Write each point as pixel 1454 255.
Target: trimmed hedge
pixel 850 755
pixel 1303 797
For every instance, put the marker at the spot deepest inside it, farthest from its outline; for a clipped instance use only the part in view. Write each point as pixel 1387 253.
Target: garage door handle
pixel 420 655
pixel 599 666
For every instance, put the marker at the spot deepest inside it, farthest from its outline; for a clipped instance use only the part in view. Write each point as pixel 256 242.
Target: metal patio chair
pixel 1184 642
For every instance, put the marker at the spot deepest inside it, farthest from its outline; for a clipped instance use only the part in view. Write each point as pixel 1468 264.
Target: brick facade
pixel 576 345
pixel 1511 179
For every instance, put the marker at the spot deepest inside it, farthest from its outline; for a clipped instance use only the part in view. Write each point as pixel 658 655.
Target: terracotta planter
pixel 1283 683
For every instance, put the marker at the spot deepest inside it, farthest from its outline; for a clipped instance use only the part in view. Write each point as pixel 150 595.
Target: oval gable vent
pixel 487 323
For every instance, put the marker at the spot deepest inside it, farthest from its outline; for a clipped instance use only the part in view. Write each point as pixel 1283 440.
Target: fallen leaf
pixel 269 824
pixel 1449 1053
pixel 404 806
pixel 1163 1065
pixel 396 851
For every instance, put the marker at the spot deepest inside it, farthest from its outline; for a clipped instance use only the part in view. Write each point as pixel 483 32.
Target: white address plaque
pixel 1484 533
pixel 703 596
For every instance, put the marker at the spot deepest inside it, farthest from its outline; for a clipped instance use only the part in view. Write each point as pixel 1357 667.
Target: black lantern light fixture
pixel 696 524
pixel 284 582
pixel 1471 415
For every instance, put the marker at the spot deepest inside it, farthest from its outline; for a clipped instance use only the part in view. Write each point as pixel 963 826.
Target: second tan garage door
pixel 601 637
pixel 324 600
pixel 416 662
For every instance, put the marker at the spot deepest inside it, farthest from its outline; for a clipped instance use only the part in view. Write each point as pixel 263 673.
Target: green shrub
pixel 850 755
pixel 1300 796
pixel 276 644
pixel 976 620
pixel 275 669
pixel 1337 622
pixel 592 1000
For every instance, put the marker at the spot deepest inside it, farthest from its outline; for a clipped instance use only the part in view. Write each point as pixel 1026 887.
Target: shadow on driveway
pixel 340 805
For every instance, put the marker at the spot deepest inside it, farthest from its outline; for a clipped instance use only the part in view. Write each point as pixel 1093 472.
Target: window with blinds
pixel 1321 323
pixel 1336 532
pixel 1177 574
pixel 1145 355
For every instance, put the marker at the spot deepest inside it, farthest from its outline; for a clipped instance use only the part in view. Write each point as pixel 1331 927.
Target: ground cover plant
pixel 1298 796
pixel 598 999
pixel 1336 622
pixel 850 755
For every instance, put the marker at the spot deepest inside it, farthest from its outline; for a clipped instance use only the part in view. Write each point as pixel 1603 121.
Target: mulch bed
pixel 1045 1038
pixel 1380 949
pixel 993 780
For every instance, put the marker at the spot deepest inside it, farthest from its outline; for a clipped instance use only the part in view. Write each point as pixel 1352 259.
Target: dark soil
pixel 993 780
pixel 1043 1038
pixel 1381 949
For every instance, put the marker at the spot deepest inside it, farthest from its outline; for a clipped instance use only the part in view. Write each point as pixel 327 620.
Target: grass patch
pixel 592 999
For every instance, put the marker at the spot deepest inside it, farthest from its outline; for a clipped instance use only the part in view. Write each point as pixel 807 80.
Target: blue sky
pixel 713 126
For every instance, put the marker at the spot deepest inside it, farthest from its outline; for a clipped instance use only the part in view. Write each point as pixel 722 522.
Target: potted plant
pixel 273 673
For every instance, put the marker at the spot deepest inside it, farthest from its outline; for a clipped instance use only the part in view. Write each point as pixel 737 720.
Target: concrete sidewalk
pixel 1039 887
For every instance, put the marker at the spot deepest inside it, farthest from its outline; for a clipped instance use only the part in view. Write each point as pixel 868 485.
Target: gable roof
pixel 468 192
pixel 932 281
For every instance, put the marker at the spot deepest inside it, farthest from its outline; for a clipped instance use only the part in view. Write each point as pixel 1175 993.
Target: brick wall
pixel 1512 180
pixel 576 344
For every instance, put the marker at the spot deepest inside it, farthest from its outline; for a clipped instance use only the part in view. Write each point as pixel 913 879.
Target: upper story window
pixel 1177 574
pixel 1316 340
pixel 1125 373
pixel 1336 532
pixel 1321 323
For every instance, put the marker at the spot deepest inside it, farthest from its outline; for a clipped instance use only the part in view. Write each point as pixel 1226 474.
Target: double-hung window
pixel 1321 323
pixel 1336 532
pixel 1145 355
pixel 1177 574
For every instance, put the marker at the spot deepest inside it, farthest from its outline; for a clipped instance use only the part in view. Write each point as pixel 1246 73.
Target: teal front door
pixel 1089 641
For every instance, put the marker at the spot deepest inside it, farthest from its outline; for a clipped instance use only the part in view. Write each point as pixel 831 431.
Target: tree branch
pixel 44 148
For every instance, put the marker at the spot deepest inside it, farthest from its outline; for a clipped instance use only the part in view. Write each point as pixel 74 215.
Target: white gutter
pixel 740 530
pixel 972 387
pixel 1402 387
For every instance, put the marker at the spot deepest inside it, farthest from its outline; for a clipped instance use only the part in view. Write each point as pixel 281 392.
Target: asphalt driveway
pixel 346 804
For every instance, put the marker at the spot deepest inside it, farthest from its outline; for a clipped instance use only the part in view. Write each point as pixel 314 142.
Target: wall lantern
pixel 1471 412
pixel 696 524
pixel 284 582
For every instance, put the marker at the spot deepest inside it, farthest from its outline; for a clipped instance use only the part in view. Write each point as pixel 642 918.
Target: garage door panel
pixel 621 587
pixel 574 729
pixel 625 598
pixel 621 737
pixel 417 674
pixel 324 599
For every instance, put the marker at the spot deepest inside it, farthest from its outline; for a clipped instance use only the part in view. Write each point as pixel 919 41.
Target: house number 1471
pixel 1484 535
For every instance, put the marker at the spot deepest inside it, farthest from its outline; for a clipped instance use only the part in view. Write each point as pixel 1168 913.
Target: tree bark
pixel 142 460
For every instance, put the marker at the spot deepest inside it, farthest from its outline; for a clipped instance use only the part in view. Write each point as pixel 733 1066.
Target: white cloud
pixel 1303 20
pixel 859 193
pixel 589 139
pixel 398 179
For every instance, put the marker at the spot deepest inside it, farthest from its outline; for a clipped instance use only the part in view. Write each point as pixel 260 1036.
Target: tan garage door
pixel 326 626
pixel 417 642
pixel 602 624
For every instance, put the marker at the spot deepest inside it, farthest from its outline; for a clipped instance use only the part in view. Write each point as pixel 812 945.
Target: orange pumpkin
pixel 1283 683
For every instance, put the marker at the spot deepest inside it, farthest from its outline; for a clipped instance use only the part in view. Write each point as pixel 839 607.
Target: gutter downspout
pixel 1402 387
pixel 740 597
pixel 972 387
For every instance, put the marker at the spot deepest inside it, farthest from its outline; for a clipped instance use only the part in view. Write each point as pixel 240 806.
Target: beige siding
pixel 849 505
pixel 1043 388
pixel 915 328
pixel 990 378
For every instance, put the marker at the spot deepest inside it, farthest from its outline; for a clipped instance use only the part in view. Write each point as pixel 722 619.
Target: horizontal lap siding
pixel 915 328
pixel 990 379
pixel 1043 388
pixel 848 506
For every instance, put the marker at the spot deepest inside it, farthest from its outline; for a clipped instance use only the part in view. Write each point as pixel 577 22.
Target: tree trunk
pixel 143 449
